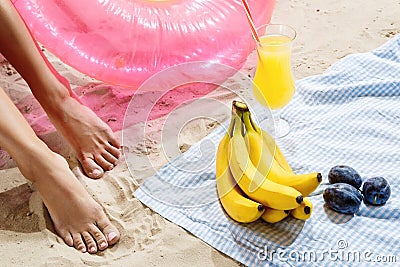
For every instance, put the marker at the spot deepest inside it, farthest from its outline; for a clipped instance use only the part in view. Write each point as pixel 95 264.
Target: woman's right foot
pixel 78 219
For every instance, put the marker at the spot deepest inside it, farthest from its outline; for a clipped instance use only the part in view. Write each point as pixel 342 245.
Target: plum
pixel 343 198
pixel 344 174
pixel 376 191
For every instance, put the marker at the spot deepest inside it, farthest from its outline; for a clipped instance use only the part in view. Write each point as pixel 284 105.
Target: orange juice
pixel 274 84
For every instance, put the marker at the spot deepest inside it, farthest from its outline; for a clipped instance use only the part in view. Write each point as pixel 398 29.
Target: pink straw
pixel 251 22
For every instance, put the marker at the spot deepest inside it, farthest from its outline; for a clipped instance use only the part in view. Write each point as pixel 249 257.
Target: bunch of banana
pixel 253 177
pixel 236 205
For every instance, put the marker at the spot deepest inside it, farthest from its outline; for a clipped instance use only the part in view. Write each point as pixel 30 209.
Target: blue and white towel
pixel 348 115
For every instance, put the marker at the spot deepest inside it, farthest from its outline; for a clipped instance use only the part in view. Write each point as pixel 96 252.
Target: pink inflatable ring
pixel 124 42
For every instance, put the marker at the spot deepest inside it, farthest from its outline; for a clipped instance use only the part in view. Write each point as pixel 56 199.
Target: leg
pixel 93 141
pixel 77 218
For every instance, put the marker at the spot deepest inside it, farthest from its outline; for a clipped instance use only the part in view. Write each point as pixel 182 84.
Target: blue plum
pixel 343 198
pixel 376 191
pixel 344 174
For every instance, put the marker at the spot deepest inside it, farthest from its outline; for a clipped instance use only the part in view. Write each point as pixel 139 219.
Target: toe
pixel 90 242
pixel 110 231
pixel 91 168
pixel 78 242
pixel 115 151
pixel 99 238
pixel 113 140
pixel 67 237
pixel 110 158
pixel 112 235
pixel 105 164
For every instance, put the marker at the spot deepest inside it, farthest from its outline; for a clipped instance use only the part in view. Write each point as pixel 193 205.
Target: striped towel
pixel 349 115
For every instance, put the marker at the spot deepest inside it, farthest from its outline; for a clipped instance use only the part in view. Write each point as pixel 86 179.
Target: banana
pixel 235 204
pixel 274 148
pixel 270 142
pixel 273 216
pixel 303 212
pixel 254 184
pixel 259 145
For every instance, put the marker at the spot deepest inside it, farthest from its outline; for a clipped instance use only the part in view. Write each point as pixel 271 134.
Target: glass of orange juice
pixel 273 81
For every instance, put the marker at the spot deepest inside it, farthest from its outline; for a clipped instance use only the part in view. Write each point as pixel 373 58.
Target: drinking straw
pixel 251 22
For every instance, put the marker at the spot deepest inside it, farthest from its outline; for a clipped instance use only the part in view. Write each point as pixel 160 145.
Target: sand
pixel 327 31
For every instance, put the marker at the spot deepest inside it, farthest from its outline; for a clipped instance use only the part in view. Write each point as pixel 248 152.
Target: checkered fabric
pixel 349 115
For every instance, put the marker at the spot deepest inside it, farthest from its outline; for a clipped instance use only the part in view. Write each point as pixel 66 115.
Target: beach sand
pixel 326 32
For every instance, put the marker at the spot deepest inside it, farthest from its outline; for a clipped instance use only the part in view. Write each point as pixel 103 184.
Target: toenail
pixel 83 250
pixel 96 173
pixel 111 236
pixel 92 249
pixel 103 244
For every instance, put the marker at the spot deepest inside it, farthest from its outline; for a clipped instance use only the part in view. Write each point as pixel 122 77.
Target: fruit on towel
pixel 269 142
pixel 344 174
pixel 254 184
pixel 262 156
pixel 343 198
pixel 273 215
pixel 376 191
pixel 235 204
pixel 303 212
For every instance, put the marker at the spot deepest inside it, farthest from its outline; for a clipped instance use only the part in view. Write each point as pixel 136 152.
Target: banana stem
pixel 240 106
pixel 238 123
pixel 231 124
pixel 247 122
pixel 255 126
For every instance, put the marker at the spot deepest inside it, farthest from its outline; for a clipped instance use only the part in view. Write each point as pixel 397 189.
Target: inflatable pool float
pixel 124 42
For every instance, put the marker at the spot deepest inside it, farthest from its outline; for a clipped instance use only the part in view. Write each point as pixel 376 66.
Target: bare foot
pixel 95 145
pixel 78 219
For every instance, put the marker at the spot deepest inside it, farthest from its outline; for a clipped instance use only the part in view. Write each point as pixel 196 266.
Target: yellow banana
pixel 262 157
pixel 273 216
pixel 235 204
pixel 270 142
pixel 303 212
pixel 252 182
pixel 274 148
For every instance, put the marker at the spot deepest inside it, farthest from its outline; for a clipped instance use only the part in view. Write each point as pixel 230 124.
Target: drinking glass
pixel 273 81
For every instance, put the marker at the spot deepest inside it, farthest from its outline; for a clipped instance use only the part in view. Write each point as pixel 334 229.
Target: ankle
pixel 51 91
pixel 34 159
